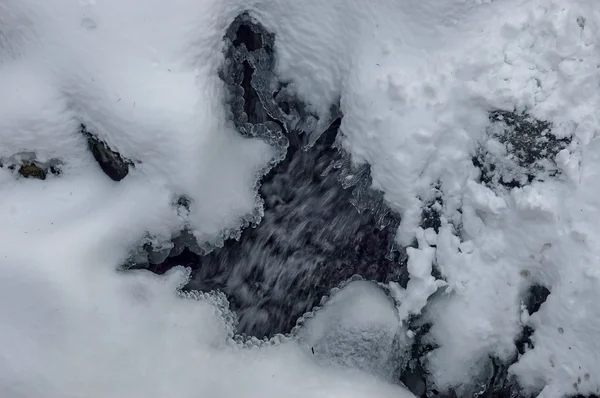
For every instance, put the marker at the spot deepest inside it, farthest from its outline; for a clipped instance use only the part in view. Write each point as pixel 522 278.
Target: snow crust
pixel 415 81
pixel 356 328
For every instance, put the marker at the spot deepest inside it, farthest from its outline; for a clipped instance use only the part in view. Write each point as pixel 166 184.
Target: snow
pixel 75 327
pixel 421 79
pixel 356 328
pixel 421 284
pixel 71 325
pixel 414 79
pixel 134 88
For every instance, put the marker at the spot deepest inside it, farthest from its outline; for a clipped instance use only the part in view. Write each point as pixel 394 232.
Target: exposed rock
pixel 517 150
pixel 31 170
pixel 26 165
pixel 115 166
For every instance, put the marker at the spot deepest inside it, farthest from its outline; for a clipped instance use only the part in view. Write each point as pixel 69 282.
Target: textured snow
pixel 140 89
pixel 73 326
pixel 356 328
pixel 415 81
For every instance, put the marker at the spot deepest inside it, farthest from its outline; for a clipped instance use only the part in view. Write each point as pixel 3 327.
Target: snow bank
pixel 356 328
pixel 73 326
pixel 144 81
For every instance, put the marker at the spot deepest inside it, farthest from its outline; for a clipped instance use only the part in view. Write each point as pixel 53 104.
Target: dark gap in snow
pixel 184 202
pixel 187 258
pixel 500 383
pixel 536 296
pixel 322 223
pixel 245 35
pixel 414 374
pixel 311 239
pixel 115 166
pixel 517 150
pixel 431 214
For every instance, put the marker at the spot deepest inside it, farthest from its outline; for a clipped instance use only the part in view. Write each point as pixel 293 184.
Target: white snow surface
pixel 357 328
pixel 415 80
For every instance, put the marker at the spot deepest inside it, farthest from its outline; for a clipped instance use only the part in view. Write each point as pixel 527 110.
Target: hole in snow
pixel 245 35
pixel 536 296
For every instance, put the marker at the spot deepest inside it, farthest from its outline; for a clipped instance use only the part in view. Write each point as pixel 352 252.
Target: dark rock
pixel 534 299
pixel 112 163
pixel 518 149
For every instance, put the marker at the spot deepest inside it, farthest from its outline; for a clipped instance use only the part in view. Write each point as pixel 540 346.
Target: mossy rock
pixel 31 170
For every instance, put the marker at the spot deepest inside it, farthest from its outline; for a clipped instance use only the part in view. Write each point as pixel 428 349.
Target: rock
pixel 517 149
pixel 31 170
pixel 112 163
